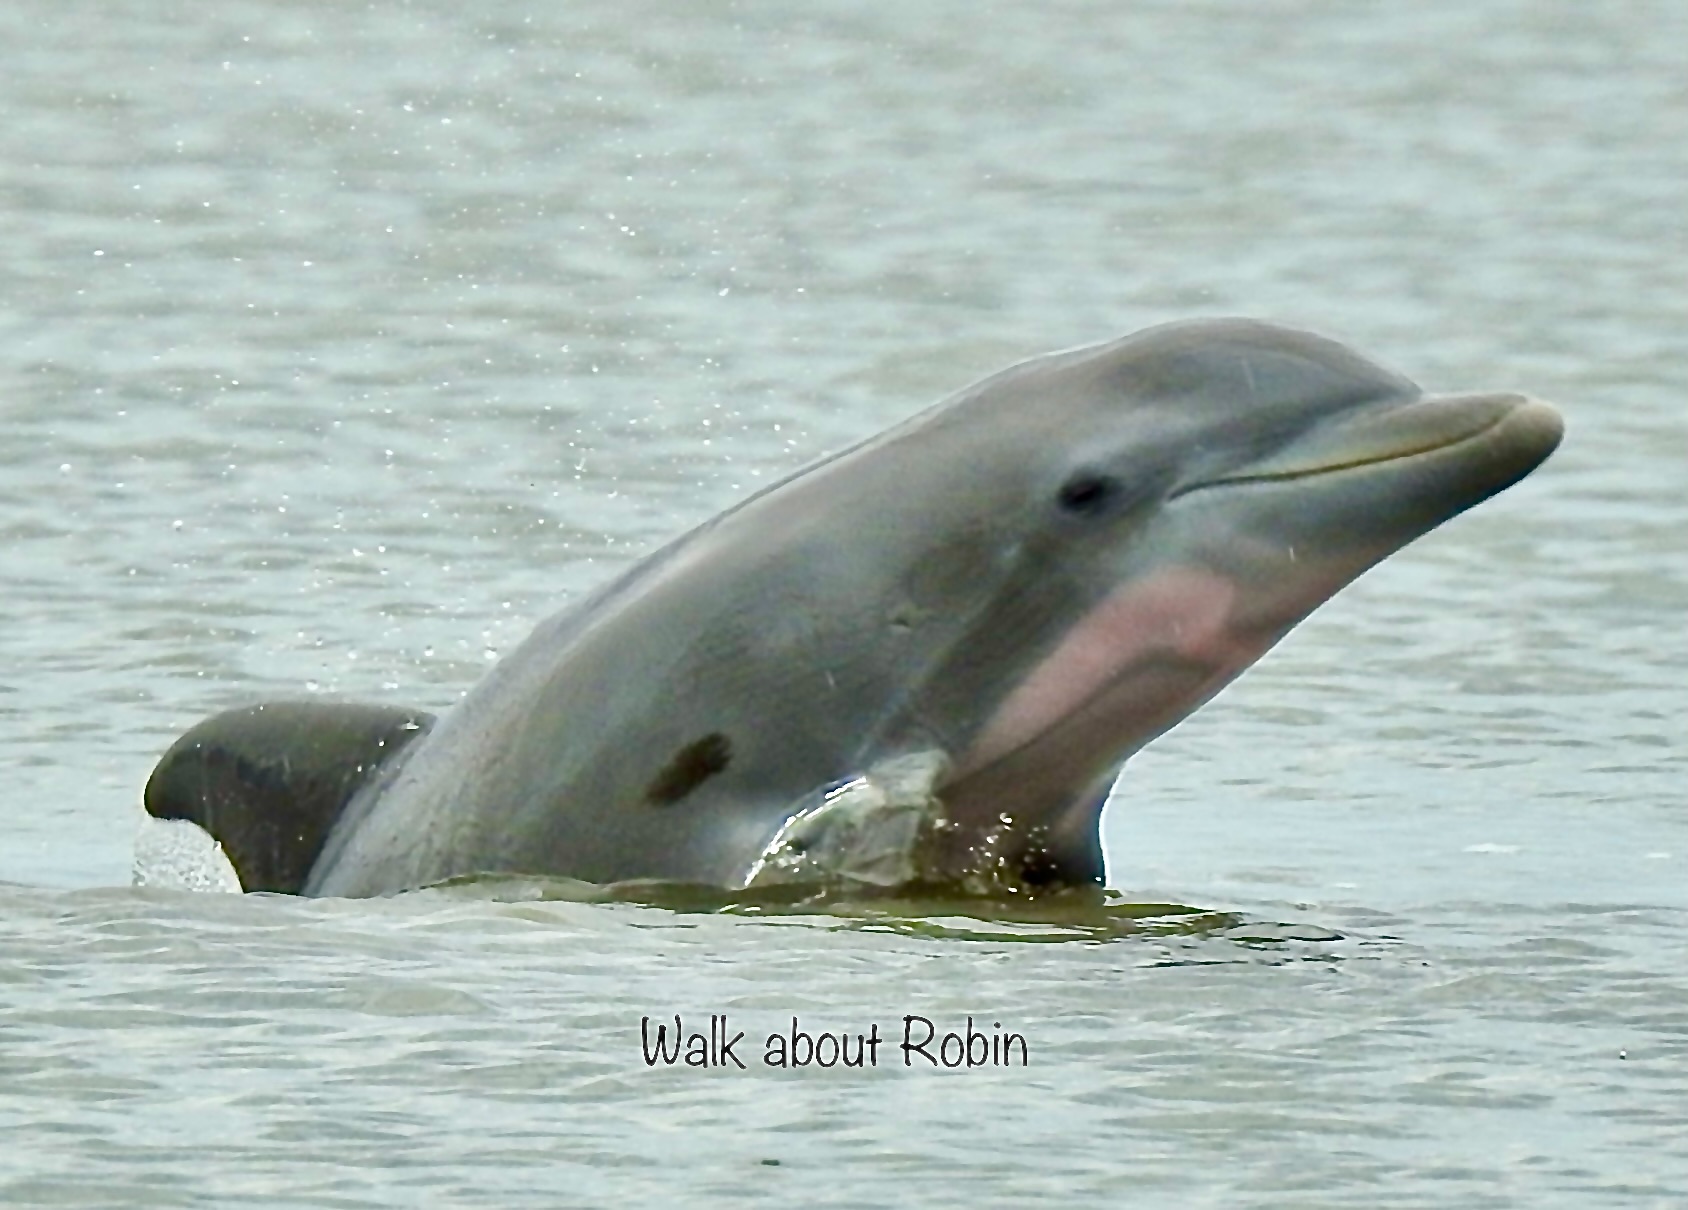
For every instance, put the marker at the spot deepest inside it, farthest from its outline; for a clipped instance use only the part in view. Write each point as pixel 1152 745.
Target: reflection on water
pixel 1077 914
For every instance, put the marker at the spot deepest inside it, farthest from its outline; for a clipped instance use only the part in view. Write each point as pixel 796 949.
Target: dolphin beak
pixel 1505 427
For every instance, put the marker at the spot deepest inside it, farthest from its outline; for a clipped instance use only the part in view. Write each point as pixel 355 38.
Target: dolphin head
pixel 1134 524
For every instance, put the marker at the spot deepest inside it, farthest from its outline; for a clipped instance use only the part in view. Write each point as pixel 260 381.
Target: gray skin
pixel 1029 581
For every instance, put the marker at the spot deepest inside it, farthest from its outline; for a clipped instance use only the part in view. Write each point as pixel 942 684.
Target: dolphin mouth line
pixel 1400 454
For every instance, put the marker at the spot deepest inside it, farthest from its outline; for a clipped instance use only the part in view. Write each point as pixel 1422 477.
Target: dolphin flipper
pixel 268 782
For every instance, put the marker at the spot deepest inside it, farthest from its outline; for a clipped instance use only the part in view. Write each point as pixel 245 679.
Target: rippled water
pixel 343 344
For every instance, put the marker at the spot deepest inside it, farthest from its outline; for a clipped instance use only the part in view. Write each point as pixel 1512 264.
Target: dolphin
pixel 924 659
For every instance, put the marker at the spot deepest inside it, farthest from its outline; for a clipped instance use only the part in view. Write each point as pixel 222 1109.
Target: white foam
pixel 182 856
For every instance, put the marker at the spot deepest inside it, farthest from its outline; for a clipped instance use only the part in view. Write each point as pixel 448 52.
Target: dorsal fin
pixel 268 781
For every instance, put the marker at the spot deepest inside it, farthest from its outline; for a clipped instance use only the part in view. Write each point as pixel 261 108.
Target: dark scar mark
pixel 692 765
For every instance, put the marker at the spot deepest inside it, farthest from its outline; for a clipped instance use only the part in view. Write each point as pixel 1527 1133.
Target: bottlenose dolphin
pixel 923 659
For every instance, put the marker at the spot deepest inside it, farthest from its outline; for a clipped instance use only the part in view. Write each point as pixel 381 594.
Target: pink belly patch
pixel 1178 612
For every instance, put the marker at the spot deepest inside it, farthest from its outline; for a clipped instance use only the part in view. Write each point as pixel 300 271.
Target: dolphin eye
pixel 1087 493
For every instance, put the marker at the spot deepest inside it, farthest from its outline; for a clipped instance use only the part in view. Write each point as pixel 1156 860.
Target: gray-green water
pixel 341 343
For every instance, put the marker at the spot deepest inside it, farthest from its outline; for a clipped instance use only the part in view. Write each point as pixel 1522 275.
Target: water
pixel 344 344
